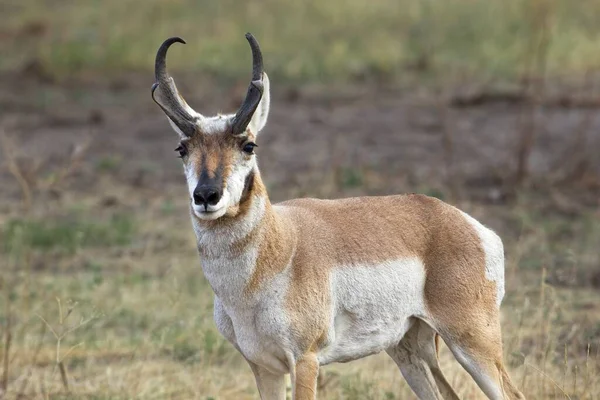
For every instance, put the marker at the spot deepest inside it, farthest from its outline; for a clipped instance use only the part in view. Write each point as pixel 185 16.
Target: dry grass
pixel 134 318
pixel 106 300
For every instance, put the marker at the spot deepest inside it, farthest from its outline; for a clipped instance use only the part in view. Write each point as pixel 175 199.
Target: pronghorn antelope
pixel 309 282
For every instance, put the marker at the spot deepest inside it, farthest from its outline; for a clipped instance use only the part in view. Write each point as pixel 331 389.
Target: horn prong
pixel 255 90
pixel 171 103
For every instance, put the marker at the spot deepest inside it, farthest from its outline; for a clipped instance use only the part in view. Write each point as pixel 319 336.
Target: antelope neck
pixel 236 251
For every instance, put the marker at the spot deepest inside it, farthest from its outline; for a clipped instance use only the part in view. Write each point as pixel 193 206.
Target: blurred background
pixel 491 106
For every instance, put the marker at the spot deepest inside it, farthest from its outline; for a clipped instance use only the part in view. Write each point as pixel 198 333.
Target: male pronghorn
pixel 309 282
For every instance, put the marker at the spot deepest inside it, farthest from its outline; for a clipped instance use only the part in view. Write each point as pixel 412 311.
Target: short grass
pixel 68 234
pixel 114 293
pixel 307 41
pixel 134 314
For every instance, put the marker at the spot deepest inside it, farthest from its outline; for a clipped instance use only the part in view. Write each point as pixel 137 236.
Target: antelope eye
pixel 249 147
pixel 182 150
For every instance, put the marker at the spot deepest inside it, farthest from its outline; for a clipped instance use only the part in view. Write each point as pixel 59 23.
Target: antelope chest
pixel 258 330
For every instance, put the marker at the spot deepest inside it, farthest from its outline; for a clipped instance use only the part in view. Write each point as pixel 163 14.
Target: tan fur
pixel 419 226
pixel 275 251
pixel 415 227
pixel 314 236
pixel 214 151
pixel 307 371
pixel 391 227
pixel 301 245
pixel 212 161
pixel 455 266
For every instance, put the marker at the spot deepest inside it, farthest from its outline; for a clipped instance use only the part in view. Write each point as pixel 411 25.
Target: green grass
pixel 66 234
pixel 555 241
pixel 306 41
pixel 109 163
pixel 355 388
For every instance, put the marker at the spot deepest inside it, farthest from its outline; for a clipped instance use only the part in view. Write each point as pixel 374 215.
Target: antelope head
pixel 217 152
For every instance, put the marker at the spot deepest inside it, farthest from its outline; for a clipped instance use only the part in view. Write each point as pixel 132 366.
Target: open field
pixel 490 107
pixel 107 236
pixel 310 40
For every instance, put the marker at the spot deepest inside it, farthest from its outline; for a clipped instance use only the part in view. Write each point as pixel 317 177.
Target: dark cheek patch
pixel 248 186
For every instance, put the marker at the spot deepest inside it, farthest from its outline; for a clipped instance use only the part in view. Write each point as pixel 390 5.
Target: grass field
pixel 309 40
pixel 101 290
pixel 123 308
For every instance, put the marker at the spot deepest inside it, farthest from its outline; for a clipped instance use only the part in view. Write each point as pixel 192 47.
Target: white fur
pixel 207 125
pixel 215 125
pixel 218 240
pixel 236 180
pixel 363 322
pixel 262 327
pixel 371 319
pixel 494 255
pixel 212 212
pixel 257 325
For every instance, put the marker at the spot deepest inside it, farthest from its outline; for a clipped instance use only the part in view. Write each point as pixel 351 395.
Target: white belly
pixel 372 308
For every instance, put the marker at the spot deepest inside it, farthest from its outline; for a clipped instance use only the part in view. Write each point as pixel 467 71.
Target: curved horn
pixel 255 90
pixel 169 99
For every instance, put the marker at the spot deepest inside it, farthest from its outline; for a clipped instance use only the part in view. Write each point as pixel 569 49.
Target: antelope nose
pixel 207 195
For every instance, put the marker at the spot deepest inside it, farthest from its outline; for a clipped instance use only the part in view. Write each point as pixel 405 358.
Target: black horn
pixel 169 99
pixel 255 90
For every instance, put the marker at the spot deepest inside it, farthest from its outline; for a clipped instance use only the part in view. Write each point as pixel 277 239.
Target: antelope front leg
pixel 304 380
pixel 270 386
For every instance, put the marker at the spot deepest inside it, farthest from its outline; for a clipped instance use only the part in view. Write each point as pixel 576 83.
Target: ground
pixel 102 291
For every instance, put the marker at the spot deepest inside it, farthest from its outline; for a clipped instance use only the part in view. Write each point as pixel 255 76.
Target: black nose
pixel 207 195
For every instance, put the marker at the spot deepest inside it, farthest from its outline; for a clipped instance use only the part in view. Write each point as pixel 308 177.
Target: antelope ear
pixel 259 119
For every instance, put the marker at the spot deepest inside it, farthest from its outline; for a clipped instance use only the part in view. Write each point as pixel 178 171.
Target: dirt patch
pixel 408 141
